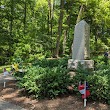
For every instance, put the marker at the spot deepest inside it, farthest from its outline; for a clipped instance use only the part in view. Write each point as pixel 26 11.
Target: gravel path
pixel 4 105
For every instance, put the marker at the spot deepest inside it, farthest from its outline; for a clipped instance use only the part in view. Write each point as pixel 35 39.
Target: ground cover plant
pixel 45 78
pixel 99 80
pixel 49 79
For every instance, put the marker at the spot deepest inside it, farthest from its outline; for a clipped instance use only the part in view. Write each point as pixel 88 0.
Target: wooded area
pixel 33 29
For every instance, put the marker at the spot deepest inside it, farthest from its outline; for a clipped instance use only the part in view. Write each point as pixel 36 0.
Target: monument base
pixel 86 64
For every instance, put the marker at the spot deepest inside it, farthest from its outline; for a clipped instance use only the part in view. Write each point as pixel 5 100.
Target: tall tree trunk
pixel 66 33
pixel 49 15
pixel 50 20
pixel 51 23
pixel 64 41
pixel 96 39
pixel 96 43
pixel 11 29
pixel 25 9
pixel 11 20
pixel 80 14
pixel 59 28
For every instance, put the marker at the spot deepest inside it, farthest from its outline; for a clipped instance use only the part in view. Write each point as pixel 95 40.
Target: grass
pixel 5 66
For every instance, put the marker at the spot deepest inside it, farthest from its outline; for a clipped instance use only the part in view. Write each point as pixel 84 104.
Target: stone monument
pixel 80 47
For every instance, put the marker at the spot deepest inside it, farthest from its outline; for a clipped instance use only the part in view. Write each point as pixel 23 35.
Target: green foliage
pixel 99 84
pixel 29 28
pixel 98 60
pixel 53 82
pixel 22 51
pixel 27 80
pixel 51 62
pixel 47 78
pixel 96 14
pixel 98 81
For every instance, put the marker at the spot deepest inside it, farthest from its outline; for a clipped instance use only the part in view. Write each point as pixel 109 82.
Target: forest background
pixel 35 29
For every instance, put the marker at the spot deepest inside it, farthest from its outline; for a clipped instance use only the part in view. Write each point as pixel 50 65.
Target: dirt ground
pixel 12 94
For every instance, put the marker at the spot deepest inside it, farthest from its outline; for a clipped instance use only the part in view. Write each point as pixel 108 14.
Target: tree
pixel 45 26
pixel 59 28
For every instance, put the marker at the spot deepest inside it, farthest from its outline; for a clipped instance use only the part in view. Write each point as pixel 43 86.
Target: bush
pixel 28 81
pixel 45 82
pixel 52 83
pixel 49 78
pixel 46 78
pixel 98 80
pixel 51 62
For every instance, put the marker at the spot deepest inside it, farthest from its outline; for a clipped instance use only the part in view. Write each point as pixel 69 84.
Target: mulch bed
pixel 12 94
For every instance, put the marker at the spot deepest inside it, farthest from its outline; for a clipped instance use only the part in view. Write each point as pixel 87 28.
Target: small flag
pixel 84 90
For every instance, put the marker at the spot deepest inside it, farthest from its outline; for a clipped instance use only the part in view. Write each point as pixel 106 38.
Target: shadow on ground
pixel 12 94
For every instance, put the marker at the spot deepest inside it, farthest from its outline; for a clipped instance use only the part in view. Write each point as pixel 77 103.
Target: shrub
pixel 28 81
pixel 98 80
pixel 51 62
pixel 49 78
pixel 52 83
pixel 45 82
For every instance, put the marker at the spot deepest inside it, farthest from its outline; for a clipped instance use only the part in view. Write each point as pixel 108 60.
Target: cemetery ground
pixel 72 102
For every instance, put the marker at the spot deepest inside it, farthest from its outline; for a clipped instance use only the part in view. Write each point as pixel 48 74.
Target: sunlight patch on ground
pixel 8 67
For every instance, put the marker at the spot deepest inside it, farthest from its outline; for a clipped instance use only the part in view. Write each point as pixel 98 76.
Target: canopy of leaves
pixel 29 29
